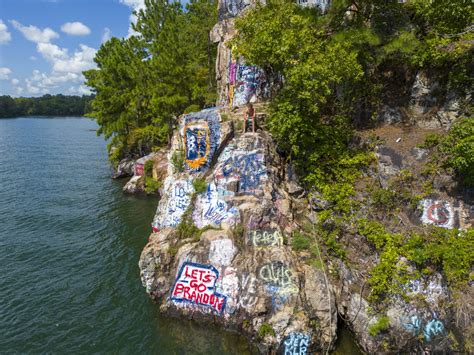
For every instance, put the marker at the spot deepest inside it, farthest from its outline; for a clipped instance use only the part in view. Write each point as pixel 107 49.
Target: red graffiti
pixel 139 169
pixel 196 284
pixel 438 213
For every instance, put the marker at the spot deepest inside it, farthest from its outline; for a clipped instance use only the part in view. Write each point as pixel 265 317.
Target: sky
pixel 46 44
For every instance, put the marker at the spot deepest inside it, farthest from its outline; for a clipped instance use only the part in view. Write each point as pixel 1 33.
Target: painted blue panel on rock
pixel 202 136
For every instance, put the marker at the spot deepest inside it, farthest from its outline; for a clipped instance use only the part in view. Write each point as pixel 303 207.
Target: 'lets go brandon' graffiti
pixel 196 284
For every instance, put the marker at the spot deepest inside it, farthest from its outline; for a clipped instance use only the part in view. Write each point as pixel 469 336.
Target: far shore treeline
pixel 47 105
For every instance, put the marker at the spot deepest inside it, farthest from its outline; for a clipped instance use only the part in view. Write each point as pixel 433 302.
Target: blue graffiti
pixel 217 212
pixel 249 168
pixel 296 344
pixel 231 8
pixel 433 328
pixel 278 299
pixel 247 79
pixel 196 143
pixel 202 135
pixel 414 325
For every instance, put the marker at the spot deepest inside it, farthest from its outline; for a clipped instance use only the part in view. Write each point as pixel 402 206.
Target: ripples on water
pixel 69 247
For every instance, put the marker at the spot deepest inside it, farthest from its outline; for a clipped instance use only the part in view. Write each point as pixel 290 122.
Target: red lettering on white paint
pixel 197 284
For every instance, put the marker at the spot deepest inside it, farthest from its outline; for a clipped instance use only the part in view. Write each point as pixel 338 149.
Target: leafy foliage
pixel 459 149
pixel 455 151
pixel 310 116
pixel 200 185
pixel 152 185
pixel 448 251
pixel 177 159
pixel 382 324
pixel 148 168
pixel 266 329
pixel 300 241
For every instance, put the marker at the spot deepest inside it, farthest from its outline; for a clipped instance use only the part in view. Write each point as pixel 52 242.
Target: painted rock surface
pixel 236 266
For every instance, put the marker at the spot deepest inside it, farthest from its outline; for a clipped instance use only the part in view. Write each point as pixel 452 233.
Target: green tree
pixel 310 115
pixel 144 82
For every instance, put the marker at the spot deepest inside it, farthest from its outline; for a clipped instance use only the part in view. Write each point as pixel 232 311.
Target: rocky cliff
pixel 237 241
pixel 234 265
pixel 227 247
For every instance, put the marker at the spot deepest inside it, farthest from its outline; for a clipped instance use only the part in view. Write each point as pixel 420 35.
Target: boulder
pixel 125 168
pixel 134 185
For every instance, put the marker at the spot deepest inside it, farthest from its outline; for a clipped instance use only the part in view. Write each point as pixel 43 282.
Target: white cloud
pixel 32 89
pixel 43 80
pixel 75 29
pixel 106 35
pixel 66 66
pixel 84 90
pixel 135 5
pixel 82 59
pixel 43 83
pixel 5 36
pixel 5 73
pixel 51 52
pixel 19 90
pixel 80 89
pixel 35 34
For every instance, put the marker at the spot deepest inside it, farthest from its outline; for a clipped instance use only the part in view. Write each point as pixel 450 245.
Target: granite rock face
pixel 429 104
pixel 225 254
pixel 239 271
pixel 237 81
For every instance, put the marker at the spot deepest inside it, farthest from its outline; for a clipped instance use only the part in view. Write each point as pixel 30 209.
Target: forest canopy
pixel 47 105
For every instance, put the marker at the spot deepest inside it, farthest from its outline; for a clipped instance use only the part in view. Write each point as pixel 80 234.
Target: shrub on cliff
pixel 454 151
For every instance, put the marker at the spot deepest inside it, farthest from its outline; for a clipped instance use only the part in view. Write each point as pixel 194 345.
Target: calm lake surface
pixel 69 248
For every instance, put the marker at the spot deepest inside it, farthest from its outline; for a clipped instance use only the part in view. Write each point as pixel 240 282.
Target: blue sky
pixel 45 44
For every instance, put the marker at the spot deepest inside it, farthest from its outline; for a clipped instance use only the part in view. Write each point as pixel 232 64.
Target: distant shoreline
pixel 45 116
pixel 46 105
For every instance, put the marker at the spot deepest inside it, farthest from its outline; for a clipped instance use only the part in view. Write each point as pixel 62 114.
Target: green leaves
pixel 459 149
pixel 445 17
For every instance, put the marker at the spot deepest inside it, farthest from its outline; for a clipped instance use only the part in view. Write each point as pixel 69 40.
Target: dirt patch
pixel 401 139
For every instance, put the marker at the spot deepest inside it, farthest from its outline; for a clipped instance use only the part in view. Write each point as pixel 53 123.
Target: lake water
pixel 69 248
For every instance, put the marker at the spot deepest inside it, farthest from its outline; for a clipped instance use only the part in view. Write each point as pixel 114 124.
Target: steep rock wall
pixel 239 271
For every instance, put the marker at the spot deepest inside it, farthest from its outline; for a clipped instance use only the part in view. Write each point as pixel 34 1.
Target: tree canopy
pixel 333 67
pixel 142 83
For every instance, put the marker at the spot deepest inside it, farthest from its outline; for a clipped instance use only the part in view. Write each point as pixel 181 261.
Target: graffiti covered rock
pixel 195 284
pixel 202 136
pixel 239 270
